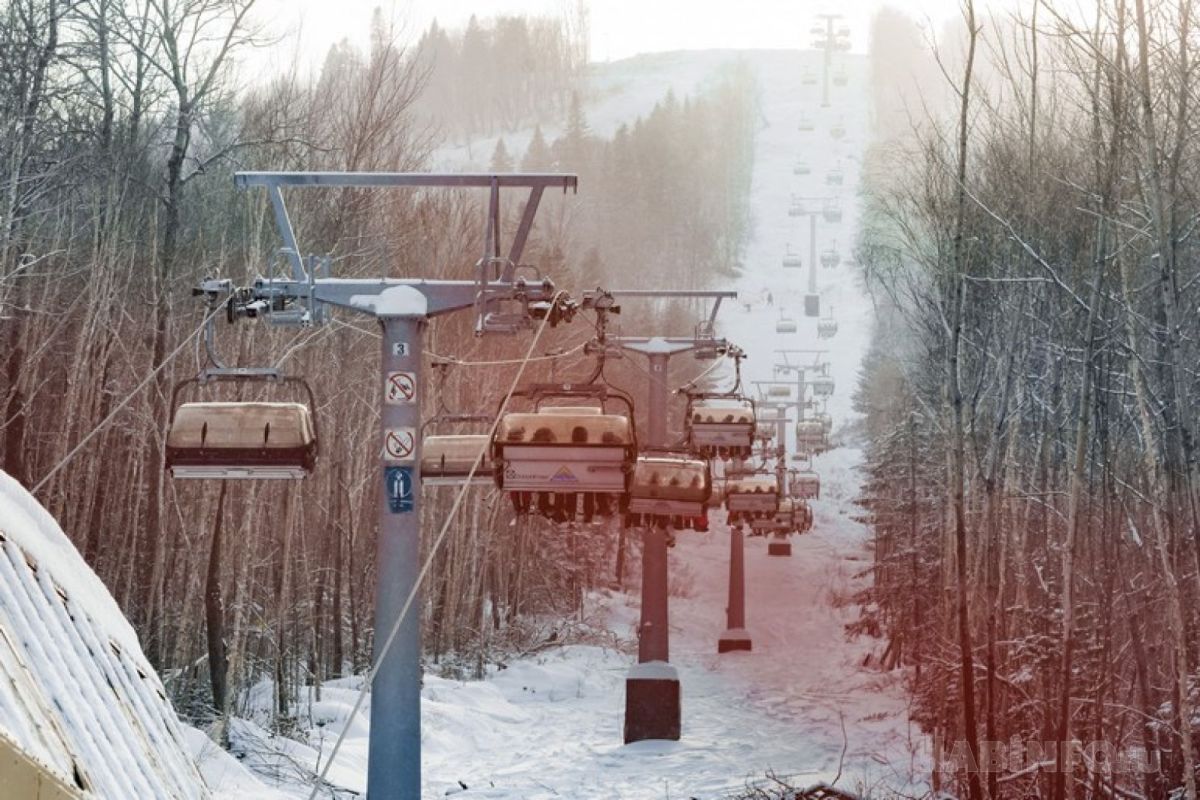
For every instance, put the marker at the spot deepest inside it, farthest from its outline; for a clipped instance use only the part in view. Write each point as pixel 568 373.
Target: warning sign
pixel 399 444
pixel 400 388
pixel 398 484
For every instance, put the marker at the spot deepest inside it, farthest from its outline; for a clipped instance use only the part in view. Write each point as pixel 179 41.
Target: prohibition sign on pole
pixel 400 388
pixel 399 443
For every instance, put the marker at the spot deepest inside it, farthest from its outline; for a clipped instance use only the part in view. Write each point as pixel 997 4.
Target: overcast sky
pixel 619 28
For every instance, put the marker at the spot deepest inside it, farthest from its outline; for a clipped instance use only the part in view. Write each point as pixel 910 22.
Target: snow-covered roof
pixel 77 695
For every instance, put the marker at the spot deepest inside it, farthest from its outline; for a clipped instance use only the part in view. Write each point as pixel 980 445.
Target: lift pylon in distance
pixel 671 491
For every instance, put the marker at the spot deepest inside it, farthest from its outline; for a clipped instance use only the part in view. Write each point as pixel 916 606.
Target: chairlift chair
pixel 805 485
pixel 792 260
pixel 446 460
pixel 817 30
pixel 785 324
pixel 822 387
pixel 802 516
pixel 720 426
pixel 797 208
pixel 568 461
pixel 801 168
pixel 810 436
pixel 830 258
pixel 826 420
pixel 840 78
pixel 241 440
pixel 670 490
pixel 780 523
pixel 752 497
pixel 808 78
pixel 806 125
pixel 827 328
pixel 838 131
pixel 834 177
pixel 778 390
pixel 832 211
pixel 785 516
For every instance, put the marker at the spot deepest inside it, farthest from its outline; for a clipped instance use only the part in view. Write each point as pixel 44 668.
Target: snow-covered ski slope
pixel 553 728
pixel 77 696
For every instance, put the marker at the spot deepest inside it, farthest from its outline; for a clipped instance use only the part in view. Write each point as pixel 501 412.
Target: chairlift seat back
pixel 785 326
pixel 756 495
pixel 564 453
pixel 810 435
pixel 670 490
pixel 806 485
pixel 721 424
pixel 241 440
pixel 447 459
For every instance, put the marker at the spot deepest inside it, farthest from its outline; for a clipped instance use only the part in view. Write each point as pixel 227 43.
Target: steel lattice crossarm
pixel 497 280
pixel 788 366
pixel 660 349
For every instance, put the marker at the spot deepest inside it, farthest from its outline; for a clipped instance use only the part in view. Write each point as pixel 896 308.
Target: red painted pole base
pixel 652 706
pixel 734 640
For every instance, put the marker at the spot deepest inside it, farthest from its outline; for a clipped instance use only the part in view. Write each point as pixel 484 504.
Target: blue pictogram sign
pixel 398 484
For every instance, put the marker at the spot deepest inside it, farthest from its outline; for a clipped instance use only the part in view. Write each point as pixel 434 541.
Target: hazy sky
pixel 619 28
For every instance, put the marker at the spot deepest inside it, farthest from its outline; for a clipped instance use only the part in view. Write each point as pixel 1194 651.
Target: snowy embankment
pixel 78 699
pixel 800 706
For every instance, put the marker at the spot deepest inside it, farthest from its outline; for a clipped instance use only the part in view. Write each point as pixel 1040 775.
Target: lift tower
pixel 799 371
pixel 829 40
pixel 830 210
pixel 506 299
pixel 652 693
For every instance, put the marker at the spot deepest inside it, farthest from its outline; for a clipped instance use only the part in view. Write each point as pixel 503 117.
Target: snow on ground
pixel 800 705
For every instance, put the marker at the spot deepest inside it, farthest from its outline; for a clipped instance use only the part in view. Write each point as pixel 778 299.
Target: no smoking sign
pixel 399 444
pixel 400 388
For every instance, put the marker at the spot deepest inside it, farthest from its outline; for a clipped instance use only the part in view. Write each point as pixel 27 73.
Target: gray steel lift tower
pixel 780 407
pixel 829 41
pixel 504 302
pixel 652 695
pixel 813 207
